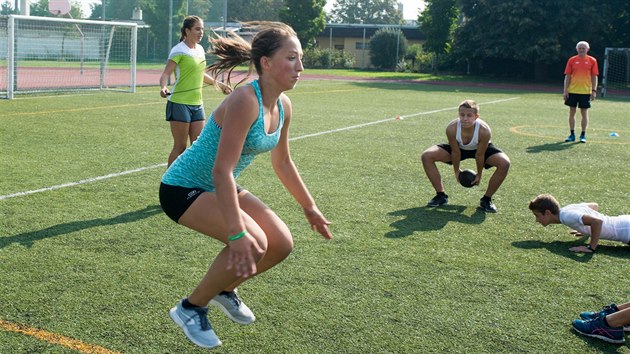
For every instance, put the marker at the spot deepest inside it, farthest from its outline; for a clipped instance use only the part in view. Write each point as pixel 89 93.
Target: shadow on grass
pixel 557 146
pixel 28 238
pixel 428 218
pixel 562 249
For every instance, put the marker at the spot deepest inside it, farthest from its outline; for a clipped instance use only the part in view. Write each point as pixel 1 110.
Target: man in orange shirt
pixel 580 87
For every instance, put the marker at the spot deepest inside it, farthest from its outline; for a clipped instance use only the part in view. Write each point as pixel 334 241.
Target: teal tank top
pixel 193 168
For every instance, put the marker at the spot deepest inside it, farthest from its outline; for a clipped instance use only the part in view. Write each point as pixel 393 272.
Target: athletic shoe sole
pixel 229 315
pixel 604 338
pixel 178 321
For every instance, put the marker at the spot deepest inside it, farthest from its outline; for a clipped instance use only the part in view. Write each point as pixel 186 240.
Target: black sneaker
pixel 487 205
pixel 439 199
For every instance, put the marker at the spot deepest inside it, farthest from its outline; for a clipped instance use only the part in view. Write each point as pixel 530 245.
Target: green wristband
pixel 237 236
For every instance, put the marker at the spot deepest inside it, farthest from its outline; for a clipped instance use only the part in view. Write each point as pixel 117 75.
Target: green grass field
pixel 97 263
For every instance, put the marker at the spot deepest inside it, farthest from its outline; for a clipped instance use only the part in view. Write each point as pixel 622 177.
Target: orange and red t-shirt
pixel 581 71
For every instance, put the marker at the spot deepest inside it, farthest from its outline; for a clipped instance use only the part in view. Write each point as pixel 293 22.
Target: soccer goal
pixel 616 78
pixel 46 54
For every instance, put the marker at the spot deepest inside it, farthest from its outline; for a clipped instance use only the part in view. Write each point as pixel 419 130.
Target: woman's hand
pixel 164 92
pixel 243 256
pixel 318 222
pixel 224 88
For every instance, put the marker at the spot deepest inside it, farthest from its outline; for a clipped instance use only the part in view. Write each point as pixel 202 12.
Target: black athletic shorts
pixel 470 154
pixel 176 200
pixel 578 100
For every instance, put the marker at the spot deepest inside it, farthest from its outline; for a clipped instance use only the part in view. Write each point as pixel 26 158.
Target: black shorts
pixel 176 200
pixel 184 112
pixel 578 100
pixel 470 154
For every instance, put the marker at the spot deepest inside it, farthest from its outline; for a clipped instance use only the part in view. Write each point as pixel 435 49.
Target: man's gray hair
pixel 583 42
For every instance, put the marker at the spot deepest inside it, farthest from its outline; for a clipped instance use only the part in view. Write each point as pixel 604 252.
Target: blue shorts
pixel 578 100
pixel 184 113
pixel 470 154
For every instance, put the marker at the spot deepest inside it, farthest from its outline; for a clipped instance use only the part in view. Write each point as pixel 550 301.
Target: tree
pixel 247 10
pixel 619 25
pixel 307 18
pixel 438 23
pixel 529 36
pixel 40 8
pixel 366 11
pixel 383 45
pixel 117 9
pixel 199 8
pixel 6 9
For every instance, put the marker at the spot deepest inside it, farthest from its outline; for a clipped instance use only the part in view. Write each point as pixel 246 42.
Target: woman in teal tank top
pixel 199 189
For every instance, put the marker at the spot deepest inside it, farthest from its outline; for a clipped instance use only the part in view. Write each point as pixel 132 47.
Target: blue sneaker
pixel 233 307
pixel 597 328
pixel 195 324
pixel 606 310
pixel 583 138
pixel 570 138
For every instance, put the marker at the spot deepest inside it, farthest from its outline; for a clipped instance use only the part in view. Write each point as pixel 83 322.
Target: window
pixel 362 45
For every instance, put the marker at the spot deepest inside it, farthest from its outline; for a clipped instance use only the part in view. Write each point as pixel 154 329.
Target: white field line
pixel 118 174
pixel 83 181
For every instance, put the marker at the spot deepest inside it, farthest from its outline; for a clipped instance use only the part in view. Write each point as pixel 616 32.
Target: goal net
pixel 45 54
pixel 616 78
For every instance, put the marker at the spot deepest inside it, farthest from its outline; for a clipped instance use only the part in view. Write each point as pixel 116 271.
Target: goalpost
pixel 616 78
pixel 46 54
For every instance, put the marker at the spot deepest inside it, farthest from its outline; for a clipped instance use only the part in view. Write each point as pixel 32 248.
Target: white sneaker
pixel 195 324
pixel 233 307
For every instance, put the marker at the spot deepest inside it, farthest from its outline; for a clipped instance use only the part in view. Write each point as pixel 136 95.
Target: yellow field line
pixel 54 338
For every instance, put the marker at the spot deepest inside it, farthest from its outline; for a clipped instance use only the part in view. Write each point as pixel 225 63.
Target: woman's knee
pixel 428 156
pixel 263 244
pixel 179 148
pixel 285 245
pixel 280 245
pixel 504 163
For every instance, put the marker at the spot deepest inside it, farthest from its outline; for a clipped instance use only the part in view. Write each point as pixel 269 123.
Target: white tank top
pixel 472 145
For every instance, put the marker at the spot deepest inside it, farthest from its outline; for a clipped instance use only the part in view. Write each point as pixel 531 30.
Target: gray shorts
pixel 184 113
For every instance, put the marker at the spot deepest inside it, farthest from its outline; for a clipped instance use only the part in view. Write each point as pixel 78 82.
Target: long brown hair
pixel 232 50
